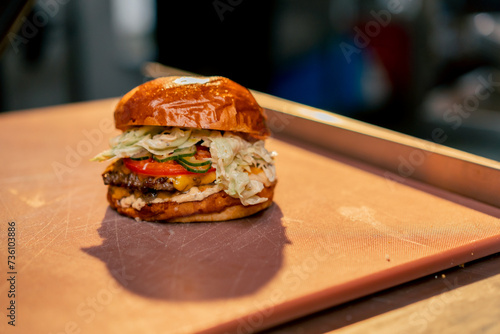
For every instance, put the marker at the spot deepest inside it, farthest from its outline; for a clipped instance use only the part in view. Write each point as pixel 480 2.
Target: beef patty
pixel 119 175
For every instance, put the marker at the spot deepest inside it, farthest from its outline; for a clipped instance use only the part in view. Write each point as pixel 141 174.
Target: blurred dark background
pixel 418 67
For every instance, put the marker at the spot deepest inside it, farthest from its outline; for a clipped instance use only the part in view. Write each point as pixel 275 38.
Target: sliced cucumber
pixel 163 158
pixel 192 161
pixel 141 156
pixel 200 169
pixel 178 153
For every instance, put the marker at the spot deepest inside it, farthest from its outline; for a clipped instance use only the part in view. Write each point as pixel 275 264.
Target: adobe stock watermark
pixel 453 116
pixel 83 149
pixel 291 281
pixel 436 306
pixel 41 17
pixel 88 309
pixel 277 121
pixel 372 29
pixel 223 6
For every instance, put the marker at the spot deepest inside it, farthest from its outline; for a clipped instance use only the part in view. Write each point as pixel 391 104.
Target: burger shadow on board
pixel 193 261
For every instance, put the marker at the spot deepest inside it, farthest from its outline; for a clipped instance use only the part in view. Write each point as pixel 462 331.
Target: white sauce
pixel 194 194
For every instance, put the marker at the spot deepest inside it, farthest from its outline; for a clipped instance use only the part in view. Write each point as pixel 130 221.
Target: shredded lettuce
pixel 232 156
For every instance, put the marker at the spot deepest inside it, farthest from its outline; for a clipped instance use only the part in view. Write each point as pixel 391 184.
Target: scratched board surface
pixel 337 231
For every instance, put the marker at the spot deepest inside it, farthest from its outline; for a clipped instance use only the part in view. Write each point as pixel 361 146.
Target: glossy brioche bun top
pixel 214 103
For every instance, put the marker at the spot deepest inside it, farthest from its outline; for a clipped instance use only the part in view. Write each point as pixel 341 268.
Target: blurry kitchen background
pixel 429 68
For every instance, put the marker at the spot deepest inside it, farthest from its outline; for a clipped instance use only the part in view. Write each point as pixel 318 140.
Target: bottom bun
pixel 217 207
pixel 233 212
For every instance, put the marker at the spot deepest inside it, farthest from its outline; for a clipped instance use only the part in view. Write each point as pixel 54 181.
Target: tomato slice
pixel 167 168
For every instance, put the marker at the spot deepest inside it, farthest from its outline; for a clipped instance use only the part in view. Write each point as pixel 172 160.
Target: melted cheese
pixel 184 182
pixel 120 192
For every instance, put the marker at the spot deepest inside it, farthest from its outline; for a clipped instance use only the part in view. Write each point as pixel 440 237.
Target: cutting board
pixel 338 230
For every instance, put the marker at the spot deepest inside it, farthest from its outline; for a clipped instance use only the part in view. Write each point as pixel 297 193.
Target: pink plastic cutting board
pixel 338 230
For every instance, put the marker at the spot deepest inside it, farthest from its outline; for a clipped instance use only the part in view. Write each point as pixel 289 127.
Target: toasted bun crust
pixel 217 207
pixel 214 103
pixel 232 212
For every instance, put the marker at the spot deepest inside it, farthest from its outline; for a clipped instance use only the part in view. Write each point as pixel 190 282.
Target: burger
pixel 192 150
